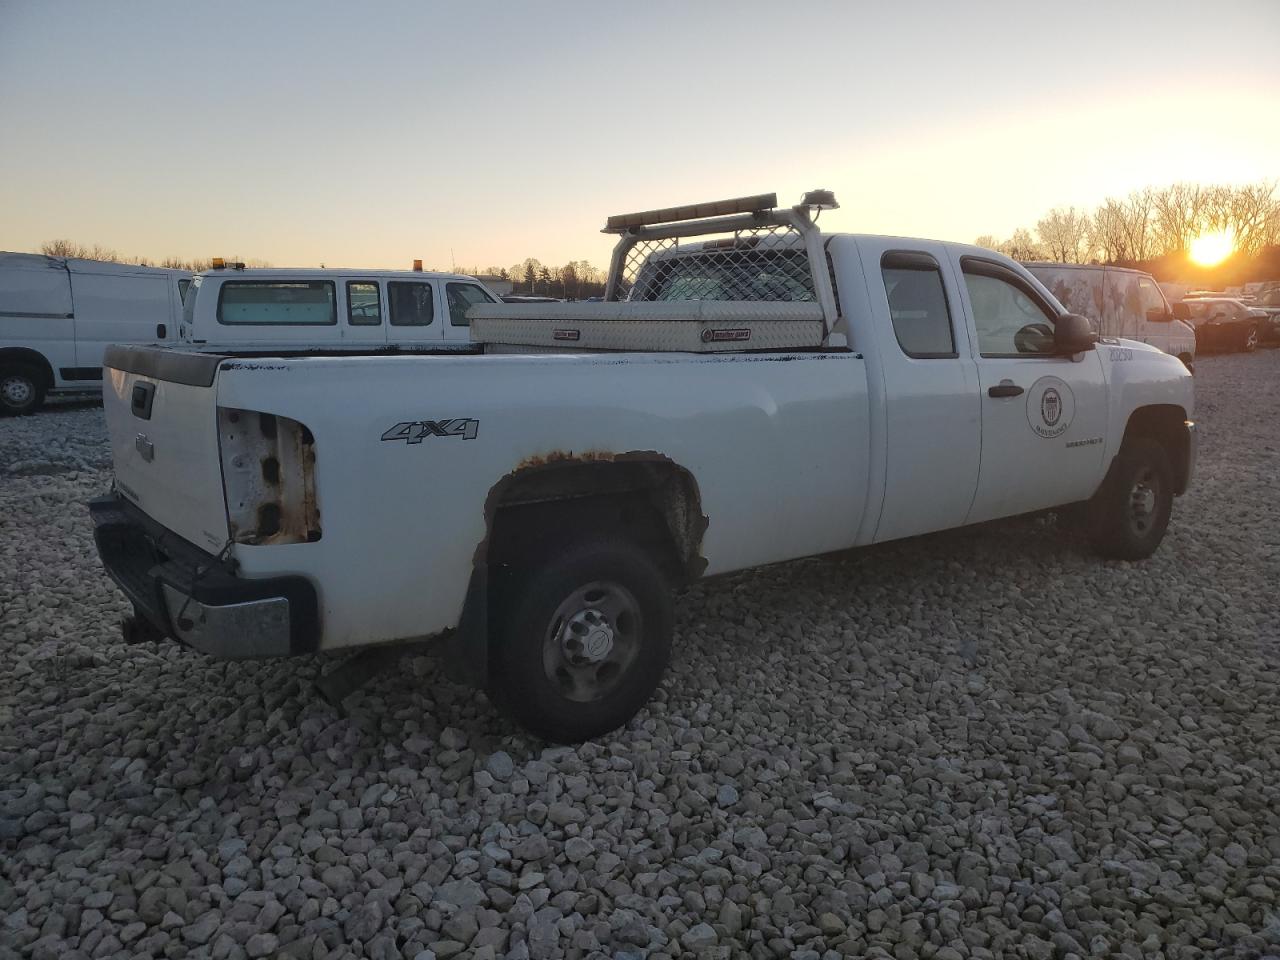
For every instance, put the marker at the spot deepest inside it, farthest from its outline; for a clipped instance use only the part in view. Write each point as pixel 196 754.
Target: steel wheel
pixel 1144 497
pixel 1251 340
pixel 592 639
pixel 21 390
pixel 17 390
pixel 582 638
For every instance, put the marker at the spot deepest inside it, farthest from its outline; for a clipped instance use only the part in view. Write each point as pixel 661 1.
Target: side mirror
pixel 1181 311
pixel 1073 334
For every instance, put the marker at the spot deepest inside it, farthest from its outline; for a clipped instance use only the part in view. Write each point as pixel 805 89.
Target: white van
pixel 58 314
pixel 270 309
pixel 1121 303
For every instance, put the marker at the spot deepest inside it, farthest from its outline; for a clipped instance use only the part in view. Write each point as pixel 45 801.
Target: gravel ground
pixel 984 744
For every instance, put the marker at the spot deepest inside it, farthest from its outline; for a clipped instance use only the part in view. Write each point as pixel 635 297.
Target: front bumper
pixel 194 597
pixel 1193 443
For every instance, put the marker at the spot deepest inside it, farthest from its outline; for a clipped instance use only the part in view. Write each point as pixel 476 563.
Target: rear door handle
pixel 1005 389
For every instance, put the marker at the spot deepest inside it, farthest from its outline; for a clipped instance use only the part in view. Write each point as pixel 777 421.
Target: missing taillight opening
pixel 268 476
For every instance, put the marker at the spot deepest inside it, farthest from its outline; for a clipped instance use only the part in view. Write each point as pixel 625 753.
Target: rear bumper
pixel 194 597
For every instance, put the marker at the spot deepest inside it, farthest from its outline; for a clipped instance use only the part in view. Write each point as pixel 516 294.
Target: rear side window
pixel 364 303
pixel 277 303
pixel 918 305
pixel 183 286
pixel 462 297
pixel 412 304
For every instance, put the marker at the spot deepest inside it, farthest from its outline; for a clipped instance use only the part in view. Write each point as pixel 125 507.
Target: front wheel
pixel 1129 514
pixel 21 390
pixel 582 641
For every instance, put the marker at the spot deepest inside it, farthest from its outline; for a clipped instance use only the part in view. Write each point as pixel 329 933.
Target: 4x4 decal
pixel 414 431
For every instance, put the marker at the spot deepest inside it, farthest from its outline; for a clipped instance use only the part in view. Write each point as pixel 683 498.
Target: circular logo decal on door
pixel 1050 407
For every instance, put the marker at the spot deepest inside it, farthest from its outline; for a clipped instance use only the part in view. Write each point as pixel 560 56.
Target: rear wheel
pixel 21 390
pixel 1128 516
pixel 582 641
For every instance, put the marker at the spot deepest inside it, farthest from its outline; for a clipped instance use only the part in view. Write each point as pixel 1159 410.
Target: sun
pixel 1210 249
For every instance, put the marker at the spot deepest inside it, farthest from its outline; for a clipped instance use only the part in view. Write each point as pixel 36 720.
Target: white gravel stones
pixel 981 745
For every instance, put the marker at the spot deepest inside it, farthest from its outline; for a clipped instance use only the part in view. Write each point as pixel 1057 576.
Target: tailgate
pixel 161 410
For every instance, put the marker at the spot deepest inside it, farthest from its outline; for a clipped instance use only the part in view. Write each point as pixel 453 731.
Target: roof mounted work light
pixel 820 200
pixel 623 222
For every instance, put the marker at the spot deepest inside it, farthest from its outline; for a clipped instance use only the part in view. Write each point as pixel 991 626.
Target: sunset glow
pixel 1210 249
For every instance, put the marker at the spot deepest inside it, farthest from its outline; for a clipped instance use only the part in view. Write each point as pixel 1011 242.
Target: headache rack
pixel 729 275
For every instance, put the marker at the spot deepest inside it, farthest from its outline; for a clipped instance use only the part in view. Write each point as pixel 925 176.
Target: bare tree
pixel 1179 216
pixel 1108 233
pixel 1022 246
pixel 987 241
pixel 1064 231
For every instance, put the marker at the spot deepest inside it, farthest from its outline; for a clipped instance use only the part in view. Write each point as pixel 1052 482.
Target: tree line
pixel 83 251
pixel 1155 227
pixel 575 280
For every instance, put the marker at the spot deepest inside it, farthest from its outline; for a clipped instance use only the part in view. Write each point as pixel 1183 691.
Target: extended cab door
pixel 930 388
pixel 1043 415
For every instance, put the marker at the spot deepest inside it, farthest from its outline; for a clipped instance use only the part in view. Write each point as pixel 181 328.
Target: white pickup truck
pixel 766 394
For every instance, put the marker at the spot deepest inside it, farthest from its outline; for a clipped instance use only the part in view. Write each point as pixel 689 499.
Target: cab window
pixel 364 304
pixel 1009 316
pixel 412 304
pixel 918 305
pixel 462 297
pixel 277 303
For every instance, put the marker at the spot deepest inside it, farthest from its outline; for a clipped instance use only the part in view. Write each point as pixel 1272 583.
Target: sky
pixel 479 133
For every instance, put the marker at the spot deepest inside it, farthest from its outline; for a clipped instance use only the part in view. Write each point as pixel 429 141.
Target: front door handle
pixel 1005 389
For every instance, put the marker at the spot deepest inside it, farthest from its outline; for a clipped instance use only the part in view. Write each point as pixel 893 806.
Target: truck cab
pixel 267 309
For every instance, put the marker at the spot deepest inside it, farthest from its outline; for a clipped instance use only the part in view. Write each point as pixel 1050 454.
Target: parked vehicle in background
pixel 291 309
pixel 1121 303
pixel 1225 323
pixel 618 450
pixel 57 315
pixel 1268 301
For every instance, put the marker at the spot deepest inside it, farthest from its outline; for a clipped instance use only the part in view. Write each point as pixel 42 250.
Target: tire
pixel 1129 514
pixel 21 390
pixel 1251 339
pixel 568 683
